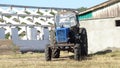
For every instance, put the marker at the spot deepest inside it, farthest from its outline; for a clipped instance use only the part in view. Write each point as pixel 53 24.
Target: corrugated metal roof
pixel 107 3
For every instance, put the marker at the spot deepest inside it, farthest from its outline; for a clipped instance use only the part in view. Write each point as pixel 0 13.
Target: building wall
pixel 109 11
pixel 102 33
pixel 86 16
pixel 104 12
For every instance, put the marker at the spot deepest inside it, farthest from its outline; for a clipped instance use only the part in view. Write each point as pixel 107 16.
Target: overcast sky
pixel 54 3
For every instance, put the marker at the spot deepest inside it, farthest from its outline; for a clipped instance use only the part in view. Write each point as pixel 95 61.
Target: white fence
pixel 25 25
pixel 31 44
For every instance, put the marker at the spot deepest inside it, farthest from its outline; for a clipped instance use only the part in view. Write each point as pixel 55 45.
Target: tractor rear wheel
pixel 56 53
pixel 77 52
pixel 84 47
pixel 48 53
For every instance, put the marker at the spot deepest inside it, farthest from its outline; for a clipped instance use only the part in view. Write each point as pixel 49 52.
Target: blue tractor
pixel 67 36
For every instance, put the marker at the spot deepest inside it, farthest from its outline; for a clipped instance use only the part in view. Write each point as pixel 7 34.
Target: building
pixel 103 25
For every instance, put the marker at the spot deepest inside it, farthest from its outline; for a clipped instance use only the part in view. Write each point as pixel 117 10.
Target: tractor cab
pixel 66 20
pixel 64 23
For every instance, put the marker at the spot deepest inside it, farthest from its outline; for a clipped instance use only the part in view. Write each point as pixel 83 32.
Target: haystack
pixel 8 47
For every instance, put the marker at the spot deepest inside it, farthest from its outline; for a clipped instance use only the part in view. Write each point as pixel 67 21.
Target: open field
pixel 9 58
pixel 36 60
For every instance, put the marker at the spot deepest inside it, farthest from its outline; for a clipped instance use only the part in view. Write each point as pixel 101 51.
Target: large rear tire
pixel 84 43
pixel 48 53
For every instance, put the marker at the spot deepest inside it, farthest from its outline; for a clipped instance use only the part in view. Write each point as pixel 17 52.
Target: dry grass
pixel 7 47
pixel 109 60
pixel 9 59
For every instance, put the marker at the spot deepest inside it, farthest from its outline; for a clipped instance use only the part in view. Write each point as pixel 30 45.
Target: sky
pixel 54 3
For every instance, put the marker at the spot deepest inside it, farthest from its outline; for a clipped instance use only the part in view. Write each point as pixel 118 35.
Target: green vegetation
pixel 46 10
pixel 1 20
pixel 82 9
pixel 8 16
pixel 16 20
pixel 23 23
pixel 36 16
pixel 38 31
pixel 9 23
pixel 18 28
pixel 39 12
pixel 7 35
pixel 23 16
pixel 31 26
pixel 52 13
pixel 42 19
pixel 27 12
pixel 22 34
pixel 37 23
pixel 29 19
pixel 50 23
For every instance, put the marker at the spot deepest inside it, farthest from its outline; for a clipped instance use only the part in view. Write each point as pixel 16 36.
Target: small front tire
pixel 48 53
pixel 56 53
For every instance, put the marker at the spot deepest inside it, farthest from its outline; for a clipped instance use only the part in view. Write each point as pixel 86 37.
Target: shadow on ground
pixel 84 57
pixel 100 52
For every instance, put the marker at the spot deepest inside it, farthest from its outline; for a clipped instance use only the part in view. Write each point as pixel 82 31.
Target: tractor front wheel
pixel 48 53
pixel 56 53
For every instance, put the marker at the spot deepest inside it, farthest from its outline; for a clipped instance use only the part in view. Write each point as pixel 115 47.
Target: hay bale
pixel 8 47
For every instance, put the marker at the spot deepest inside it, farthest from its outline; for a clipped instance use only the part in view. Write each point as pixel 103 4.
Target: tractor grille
pixel 62 35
